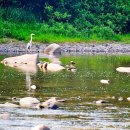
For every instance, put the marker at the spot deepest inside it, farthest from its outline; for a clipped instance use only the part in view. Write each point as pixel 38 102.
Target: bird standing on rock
pixel 29 45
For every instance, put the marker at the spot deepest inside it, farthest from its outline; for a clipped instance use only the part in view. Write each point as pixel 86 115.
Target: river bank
pixel 73 48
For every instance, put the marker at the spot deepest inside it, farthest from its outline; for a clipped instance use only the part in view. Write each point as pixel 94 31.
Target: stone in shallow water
pixel 9 105
pixel 52 103
pixel 123 69
pixel 128 98
pixel 4 116
pixel 25 63
pixel 30 59
pixel 120 98
pixel 40 127
pixel 104 81
pixel 33 87
pixel 99 102
pixel 29 102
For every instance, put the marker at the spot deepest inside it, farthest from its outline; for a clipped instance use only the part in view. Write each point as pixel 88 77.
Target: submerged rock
pixel 10 105
pixel 51 103
pixel 40 127
pixel 4 116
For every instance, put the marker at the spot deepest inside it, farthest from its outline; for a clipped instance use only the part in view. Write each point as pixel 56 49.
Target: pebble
pixel 120 99
pixel 33 87
pixel 103 81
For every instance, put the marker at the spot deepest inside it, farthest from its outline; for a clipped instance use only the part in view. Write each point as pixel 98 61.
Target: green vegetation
pixel 65 21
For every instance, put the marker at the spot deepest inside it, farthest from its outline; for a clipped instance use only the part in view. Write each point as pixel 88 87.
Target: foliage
pixel 84 19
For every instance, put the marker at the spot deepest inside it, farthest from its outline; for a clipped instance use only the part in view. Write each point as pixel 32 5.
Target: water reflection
pixel 28 81
pixel 81 89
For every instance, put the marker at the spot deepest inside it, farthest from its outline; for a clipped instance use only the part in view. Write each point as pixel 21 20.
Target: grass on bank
pixel 58 33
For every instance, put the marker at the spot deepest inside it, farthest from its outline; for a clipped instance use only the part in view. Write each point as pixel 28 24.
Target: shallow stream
pixel 80 89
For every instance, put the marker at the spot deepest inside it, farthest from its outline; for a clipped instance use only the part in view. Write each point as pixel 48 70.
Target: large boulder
pixel 29 102
pixel 52 49
pixel 24 63
pixel 29 59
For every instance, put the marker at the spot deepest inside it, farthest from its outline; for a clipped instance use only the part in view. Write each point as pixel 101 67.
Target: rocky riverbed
pixel 73 48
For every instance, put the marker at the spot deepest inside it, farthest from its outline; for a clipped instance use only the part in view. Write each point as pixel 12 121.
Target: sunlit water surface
pixel 80 89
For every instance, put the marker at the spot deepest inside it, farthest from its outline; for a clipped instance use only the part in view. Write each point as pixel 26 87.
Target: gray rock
pixel 52 49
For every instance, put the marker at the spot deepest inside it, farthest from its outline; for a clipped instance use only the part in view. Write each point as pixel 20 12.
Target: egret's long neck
pixel 31 39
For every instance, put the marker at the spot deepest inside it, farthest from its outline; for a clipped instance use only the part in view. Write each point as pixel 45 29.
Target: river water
pixel 80 89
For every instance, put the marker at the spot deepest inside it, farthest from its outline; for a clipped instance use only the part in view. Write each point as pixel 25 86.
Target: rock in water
pixel 104 81
pixel 33 87
pixel 123 69
pixel 25 63
pixel 100 102
pixel 52 49
pixel 5 116
pixel 9 105
pixel 128 98
pixel 40 127
pixel 30 59
pixel 29 102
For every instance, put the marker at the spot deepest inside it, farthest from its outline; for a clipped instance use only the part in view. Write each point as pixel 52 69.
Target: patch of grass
pixel 45 60
pixel 51 37
pixel 7 40
pixel 125 38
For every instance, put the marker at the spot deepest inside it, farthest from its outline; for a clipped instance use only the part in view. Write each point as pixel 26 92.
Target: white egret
pixel 29 45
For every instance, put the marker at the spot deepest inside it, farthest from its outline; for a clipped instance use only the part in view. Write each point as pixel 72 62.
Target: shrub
pixel 103 32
